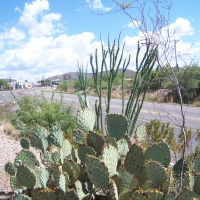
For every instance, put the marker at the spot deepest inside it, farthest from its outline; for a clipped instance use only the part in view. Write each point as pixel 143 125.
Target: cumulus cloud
pixel 134 24
pixel 36 22
pixel 97 4
pixel 12 36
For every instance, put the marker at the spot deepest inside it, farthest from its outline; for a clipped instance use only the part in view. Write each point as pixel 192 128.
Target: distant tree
pixel 3 84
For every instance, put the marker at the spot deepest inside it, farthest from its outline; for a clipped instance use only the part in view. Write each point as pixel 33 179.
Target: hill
pixel 74 75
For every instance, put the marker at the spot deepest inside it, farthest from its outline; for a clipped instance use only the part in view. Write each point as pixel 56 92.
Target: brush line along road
pixel 164 112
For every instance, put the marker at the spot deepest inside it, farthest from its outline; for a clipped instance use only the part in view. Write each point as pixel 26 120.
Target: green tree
pixel 3 84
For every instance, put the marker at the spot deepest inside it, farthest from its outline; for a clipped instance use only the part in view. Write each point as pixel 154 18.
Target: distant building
pixel 28 85
pixel 11 82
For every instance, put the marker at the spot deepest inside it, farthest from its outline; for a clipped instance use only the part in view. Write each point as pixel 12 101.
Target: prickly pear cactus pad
pixel 156 173
pixel 42 177
pixel 139 195
pixel 70 194
pixel 22 197
pixel 140 134
pixel 116 125
pixel 154 194
pixel 78 186
pixel 27 158
pixel 10 168
pixel 39 138
pixel 97 172
pixel 196 187
pixel 78 136
pixel 14 183
pixel 56 136
pixel 188 180
pixel 113 190
pixel 126 195
pixel 178 167
pixel 197 164
pixel 110 157
pixel 187 194
pixel 159 152
pixel 110 140
pixel 47 195
pixel 67 148
pixel 24 143
pixel 123 179
pixel 122 147
pixel 26 177
pixel 96 141
pixel 66 167
pixel 83 150
pixel 86 119
pixel 134 160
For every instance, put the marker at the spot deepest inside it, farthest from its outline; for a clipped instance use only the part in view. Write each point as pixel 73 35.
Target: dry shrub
pixel 9 130
pixel 196 103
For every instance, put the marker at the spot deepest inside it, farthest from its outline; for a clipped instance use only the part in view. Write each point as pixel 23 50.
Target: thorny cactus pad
pixel 56 136
pixel 83 150
pixel 140 134
pixel 10 168
pixel 86 119
pixel 159 152
pixel 110 157
pixel 39 138
pixel 27 158
pixel 96 141
pixel 116 125
pixel 134 160
pixel 26 177
pixel 97 172
pixel 25 144
pixel 78 136
pixel 156 173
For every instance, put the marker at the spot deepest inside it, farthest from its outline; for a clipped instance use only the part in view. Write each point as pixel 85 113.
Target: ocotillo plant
pixel 82 77
pixel 141 81
pixel 111 66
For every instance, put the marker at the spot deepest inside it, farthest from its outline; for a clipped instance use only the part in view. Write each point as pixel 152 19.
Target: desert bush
pixel 35 110
pixel 6 109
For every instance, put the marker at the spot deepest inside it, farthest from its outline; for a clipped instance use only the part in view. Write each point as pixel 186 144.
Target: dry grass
pixel 9 130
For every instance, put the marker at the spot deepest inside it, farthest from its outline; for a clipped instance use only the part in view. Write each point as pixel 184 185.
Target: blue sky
pixel 47 37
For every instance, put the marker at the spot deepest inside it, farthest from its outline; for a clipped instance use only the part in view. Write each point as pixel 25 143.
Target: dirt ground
pixel 9 148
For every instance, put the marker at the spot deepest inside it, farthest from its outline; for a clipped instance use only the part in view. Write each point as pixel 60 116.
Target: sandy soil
pixel 9 148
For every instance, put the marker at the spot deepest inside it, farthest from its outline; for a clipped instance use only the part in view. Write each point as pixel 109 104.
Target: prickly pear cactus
pixel 25 144
pixel 116 125
pixel 95 166
pixel 86 119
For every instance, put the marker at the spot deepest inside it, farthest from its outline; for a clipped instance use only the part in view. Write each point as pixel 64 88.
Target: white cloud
pixel 97 4
pixel 134 24
pixel 181 27
pixel 13 36
pixel 52 17
pixel 17 9
pixel 36 22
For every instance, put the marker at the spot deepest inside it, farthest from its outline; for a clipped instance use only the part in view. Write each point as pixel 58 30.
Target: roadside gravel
pixel 9 147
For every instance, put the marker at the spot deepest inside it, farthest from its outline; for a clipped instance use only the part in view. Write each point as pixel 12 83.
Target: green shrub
pixel 34 111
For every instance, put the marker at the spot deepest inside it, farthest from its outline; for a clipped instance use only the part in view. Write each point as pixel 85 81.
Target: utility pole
pixel 176 67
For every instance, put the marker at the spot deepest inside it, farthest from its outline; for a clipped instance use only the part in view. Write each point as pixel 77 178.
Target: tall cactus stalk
pixel 82 77
pixel 142 79
pixel 111 65
pixel 115 61
pixel 125 65
pixel 97 84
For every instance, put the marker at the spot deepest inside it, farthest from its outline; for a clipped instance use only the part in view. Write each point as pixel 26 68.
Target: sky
pixel 43 38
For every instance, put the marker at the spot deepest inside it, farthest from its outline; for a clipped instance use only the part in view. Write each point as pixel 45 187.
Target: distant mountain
pixel 74 75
